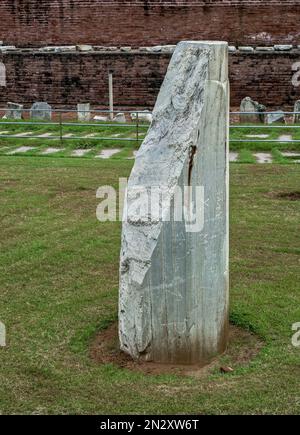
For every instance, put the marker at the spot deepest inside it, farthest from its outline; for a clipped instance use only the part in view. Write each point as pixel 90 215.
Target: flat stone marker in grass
pixel 258 136
pixel 23 149
pixel 290 154
pixel 285 138
pixel 52 150
pixel 233 157
pixel 45 135
pixel 80 152
pixel 25 134
pixel 174 260
pixel 89 135
pixel 263 158
pixel 106 154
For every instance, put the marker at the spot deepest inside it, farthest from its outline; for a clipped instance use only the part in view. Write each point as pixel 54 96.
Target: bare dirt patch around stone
pixel 291 196
pixel 243 347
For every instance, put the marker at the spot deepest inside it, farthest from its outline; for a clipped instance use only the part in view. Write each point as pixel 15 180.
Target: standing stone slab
pixel 297 109
pixel 83 112
pixel 173 304
pixel 41 111
pixel 14 111
pixel 250 106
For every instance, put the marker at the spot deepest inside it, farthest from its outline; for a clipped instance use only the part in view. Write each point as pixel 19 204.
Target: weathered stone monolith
pixel 41 111
pixel 84 112
pixel 14 111
pixel 296 117
pixel 174 270
pixel 251 111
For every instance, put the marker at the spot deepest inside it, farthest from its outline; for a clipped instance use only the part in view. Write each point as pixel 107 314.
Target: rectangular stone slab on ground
pixel 174 292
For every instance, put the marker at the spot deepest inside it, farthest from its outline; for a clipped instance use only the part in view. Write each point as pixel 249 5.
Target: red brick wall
pixel 148 22
pixel 66 79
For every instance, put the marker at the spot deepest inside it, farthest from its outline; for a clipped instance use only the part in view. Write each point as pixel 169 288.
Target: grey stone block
pixel 246 49
pixel 250 106
pixel 83 112
pixel 14 111
pixel 283 47
pixel 265 49
pixel 41 110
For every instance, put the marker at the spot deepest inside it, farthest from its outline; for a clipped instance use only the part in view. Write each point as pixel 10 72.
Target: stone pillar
pixel 111 94
pixel 2 74
pixel 83 111
pixel 174 273
pixel 296 117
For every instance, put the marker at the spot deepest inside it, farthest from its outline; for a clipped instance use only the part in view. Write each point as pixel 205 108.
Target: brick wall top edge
pixel 63 50
pixel 175 3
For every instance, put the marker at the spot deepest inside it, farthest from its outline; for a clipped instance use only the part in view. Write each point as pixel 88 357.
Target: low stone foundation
pixel 67 75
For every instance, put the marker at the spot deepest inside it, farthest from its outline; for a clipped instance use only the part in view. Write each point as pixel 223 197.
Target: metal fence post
pixel 60 129
pixel 137 127
pixel 111 95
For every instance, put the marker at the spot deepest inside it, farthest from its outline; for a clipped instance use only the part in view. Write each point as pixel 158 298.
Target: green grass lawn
pixel 274 132
pixel 114 136
pixel 59 286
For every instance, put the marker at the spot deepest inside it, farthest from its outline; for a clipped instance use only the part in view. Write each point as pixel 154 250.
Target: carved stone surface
pixel 278 116
pixel 120 118
pixel 174 276
pixel 14 111
pixel 83 112
pixel 41 111
pixel 248 106
pixel 297 109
